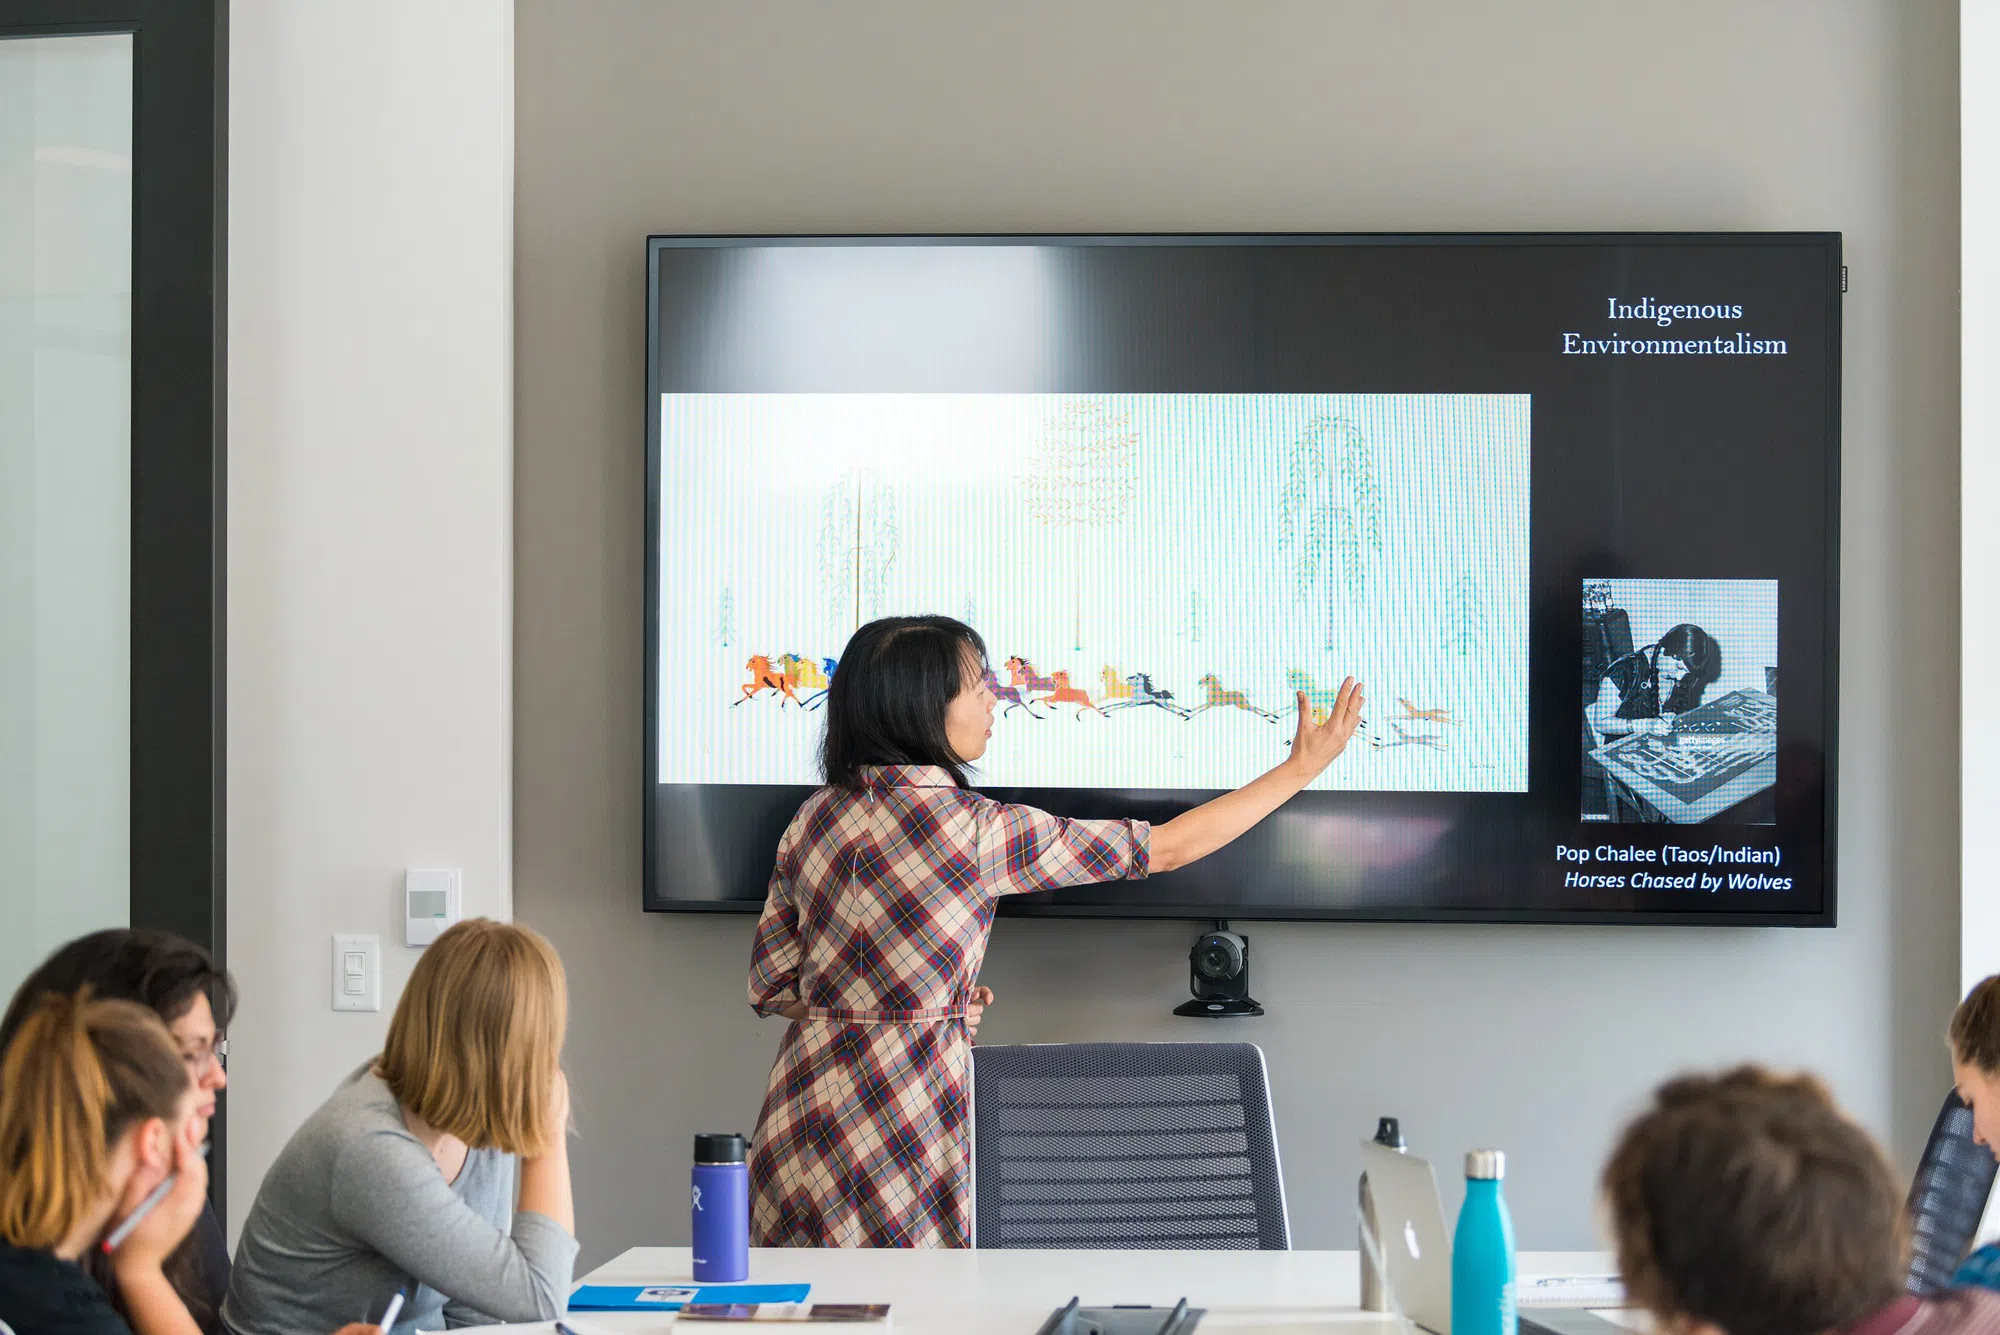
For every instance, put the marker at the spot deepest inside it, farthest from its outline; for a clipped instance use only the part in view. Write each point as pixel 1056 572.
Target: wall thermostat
pixel 430 903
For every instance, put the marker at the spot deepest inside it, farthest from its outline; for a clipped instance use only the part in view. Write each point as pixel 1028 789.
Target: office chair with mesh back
pixel 1148 1145
pixel 1947 1199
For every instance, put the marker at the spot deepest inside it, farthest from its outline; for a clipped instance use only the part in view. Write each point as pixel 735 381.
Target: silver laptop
pixel 1416 1250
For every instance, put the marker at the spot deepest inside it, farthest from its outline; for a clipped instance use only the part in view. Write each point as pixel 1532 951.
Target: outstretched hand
pixel 1316 744
pixel 1199 832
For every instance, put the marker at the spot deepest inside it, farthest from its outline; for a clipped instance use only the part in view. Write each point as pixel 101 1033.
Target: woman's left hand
pixel 982 997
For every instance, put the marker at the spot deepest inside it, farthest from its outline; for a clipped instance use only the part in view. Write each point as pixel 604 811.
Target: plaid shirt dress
pixel 878 914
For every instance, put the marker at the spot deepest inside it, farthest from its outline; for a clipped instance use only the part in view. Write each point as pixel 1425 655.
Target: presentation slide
pixel 1156 577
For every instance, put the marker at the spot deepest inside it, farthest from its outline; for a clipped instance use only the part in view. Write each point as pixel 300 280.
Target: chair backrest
pixel 1947 1199
pixel 1161 1145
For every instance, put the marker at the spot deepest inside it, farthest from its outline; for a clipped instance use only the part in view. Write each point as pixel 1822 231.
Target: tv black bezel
pixel 753 900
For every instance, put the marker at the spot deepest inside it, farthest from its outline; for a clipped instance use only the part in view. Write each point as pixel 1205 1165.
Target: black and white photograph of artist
pixel 1680 709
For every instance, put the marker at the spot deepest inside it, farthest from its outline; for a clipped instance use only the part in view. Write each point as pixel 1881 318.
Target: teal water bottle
pixel 1482 1252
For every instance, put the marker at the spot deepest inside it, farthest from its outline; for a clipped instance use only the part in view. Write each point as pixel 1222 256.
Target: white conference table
pixel 1006 1292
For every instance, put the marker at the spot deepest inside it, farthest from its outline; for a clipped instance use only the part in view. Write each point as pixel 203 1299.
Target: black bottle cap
pixel 718 1147
pixel 1388 1131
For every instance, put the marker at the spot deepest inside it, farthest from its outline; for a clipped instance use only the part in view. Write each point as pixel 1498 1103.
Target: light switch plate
pixel 346 995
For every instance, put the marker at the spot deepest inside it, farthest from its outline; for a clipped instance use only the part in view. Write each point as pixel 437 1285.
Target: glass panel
pixel 65 491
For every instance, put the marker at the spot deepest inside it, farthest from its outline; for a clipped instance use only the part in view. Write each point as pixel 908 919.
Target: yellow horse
pixel 802 672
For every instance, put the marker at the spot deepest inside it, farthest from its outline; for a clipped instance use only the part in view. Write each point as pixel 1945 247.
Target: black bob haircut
pixel 158 970
pixel 887 700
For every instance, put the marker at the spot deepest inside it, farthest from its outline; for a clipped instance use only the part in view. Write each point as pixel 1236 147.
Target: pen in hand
pixel 153 1198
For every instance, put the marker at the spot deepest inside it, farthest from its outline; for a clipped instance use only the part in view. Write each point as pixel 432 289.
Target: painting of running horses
pixel 1159 578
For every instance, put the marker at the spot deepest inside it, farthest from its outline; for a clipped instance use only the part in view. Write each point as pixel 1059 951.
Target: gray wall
pixel 1163 115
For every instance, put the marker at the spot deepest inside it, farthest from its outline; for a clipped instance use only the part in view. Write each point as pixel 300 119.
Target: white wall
pixel 370 511
pixel 1979 482
pixel 1050 115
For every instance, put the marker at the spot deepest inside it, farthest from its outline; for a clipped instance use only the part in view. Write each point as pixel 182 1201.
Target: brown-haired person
pixel 1746 1203
pixel 179 982
pixel 408 1174
pixel 96 1111
pixel 1974 1038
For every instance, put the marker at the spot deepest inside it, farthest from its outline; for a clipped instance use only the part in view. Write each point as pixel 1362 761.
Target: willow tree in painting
pixel 1330 516
pixel 857 545
pixel 1083 474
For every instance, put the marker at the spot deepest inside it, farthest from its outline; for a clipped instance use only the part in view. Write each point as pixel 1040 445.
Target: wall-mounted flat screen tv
pixel 1567 504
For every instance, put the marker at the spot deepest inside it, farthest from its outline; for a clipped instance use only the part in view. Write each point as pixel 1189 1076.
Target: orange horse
pixel 764 677
pixel 1410 711
pixel 1065 693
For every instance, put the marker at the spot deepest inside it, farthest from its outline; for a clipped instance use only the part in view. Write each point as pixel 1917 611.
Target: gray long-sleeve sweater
pixel 355 1208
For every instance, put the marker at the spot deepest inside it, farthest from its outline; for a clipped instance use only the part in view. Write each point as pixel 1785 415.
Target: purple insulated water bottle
pixel 721 1210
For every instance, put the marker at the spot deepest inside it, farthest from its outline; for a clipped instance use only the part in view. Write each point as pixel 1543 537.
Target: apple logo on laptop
pixel 1410 1240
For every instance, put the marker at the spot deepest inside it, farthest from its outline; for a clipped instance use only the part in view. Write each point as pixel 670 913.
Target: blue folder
pixel 672 1297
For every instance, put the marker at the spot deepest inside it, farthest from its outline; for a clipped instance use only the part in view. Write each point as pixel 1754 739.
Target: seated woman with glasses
pixel 178 981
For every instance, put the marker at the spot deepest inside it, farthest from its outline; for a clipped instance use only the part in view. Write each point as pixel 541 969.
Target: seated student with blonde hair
pixel 1746 1203
pixel 96 1111
pixel 407 1175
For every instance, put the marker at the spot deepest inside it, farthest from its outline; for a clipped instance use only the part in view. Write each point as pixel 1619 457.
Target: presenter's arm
pixel 545 1188
pixel 1197 833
